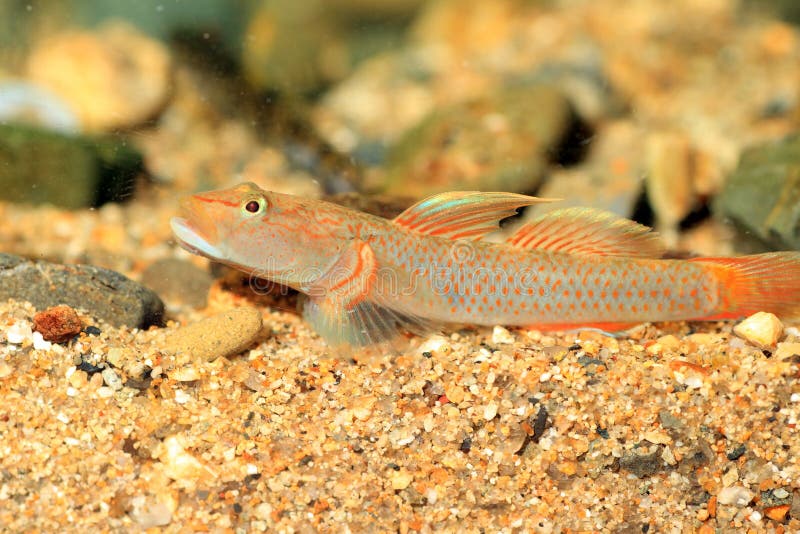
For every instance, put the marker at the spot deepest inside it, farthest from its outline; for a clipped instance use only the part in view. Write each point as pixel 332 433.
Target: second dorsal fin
pixel 462 214
pixel 588 231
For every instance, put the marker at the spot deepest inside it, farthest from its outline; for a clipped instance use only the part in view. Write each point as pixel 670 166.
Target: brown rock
pixel 777 513
pixel 58 324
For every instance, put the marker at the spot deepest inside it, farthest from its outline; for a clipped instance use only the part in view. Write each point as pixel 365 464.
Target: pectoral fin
pixel 345 308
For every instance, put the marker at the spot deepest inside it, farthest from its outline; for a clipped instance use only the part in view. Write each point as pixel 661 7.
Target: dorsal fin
pixel 462 214
pixel 588 231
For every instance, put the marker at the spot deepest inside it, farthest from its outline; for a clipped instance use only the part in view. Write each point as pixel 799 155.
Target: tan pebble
pixel 179 465
pixel 659 438
pixel 655 348
pixel 401 479
pixel 184 374
pixel 669 342
pixel 5 369
pixel 702 514
pixel 787 350
pixel 224 334
pixel 454 394
pixel 761 329
pixel 362 407
pixel 116 356
pixel 78 379
pixel 668 456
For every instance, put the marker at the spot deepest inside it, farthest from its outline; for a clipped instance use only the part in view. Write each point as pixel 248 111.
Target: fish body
pixel 368 277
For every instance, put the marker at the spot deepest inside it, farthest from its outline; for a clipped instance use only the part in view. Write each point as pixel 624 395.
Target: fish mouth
pixel 190 238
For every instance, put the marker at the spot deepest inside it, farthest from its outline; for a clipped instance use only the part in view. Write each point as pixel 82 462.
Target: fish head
pixel 270 235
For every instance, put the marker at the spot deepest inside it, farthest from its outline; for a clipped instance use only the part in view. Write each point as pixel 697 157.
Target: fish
pixel 368 279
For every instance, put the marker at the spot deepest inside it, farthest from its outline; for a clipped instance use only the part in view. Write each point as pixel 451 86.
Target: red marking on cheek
pixel 216 201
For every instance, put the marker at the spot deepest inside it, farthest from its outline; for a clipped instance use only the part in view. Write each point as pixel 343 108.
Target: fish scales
pixel 487 284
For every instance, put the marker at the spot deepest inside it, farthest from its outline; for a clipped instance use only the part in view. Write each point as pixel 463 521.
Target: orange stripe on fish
pixel 367 278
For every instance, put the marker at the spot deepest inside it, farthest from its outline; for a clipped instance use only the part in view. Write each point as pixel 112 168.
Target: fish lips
pixel 193 239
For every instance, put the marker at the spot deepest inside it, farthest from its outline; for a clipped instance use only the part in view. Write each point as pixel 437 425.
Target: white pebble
pixel 105 392
pixel 780 493
pixel 490 411
pixel 735 495
pixel 112 379
pixel 181 397
pixel 72 392
pixel 63 418
pixel 795 397
pixel 755 517
pixel 501 336
pixel 18 332
pixel 693 382
pixel 39 342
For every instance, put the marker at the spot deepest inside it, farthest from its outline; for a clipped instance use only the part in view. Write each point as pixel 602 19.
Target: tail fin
pixel 761 282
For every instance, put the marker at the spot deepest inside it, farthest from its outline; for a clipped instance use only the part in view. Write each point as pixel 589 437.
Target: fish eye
pixel 253 206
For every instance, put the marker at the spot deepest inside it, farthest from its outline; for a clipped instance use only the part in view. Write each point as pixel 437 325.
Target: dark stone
pixel 641 463
pixel 42 166
pixel 104 294
pixel 762 197
pixel 539 423
pixel 736 452
pixel 179 281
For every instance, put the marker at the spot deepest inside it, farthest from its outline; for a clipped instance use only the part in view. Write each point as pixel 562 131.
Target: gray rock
pixel 42 166
pixel 104 294
pixel 178 280
pixel 762 197
pixel 503 142
pixel 642 463
pixel 610 178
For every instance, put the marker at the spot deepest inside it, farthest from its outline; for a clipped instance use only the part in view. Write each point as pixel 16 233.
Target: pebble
pixel 185 374
pixel 111 379
pixel 401 479
pixel 762 329
pixel 777 513
pixel 103 293
pixel 735 495
pixel 58 324
pixel 5 370
pixel 221 335
pixel 148 512
pixel 19 332
pixel 39 342
pixel 178 464
pixel 112 77
pixel 501 336
pixel 490 411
